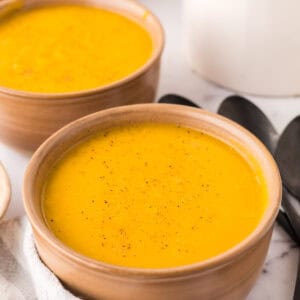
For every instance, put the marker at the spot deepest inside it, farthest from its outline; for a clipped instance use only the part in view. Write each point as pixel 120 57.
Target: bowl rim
pixel 155 56
pixel 217 261
pixel 5 188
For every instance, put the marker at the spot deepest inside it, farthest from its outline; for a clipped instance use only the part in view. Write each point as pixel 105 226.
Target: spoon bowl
pixel 251 117
pixel 176 99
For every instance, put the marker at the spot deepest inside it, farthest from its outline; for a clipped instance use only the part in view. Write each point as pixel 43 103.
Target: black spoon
pixel 289 165
pixel 176 99
pixel 251 117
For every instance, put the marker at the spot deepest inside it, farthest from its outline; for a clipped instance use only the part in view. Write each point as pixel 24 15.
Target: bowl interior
pixel 193 118
pixel 128 8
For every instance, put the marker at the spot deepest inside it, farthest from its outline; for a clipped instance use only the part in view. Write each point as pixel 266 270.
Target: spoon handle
pixel 292 209
pixel 283 220
pixel 297 287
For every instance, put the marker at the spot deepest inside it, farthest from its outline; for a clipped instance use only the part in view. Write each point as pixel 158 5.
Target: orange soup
pixel 153 196
pixel 69 48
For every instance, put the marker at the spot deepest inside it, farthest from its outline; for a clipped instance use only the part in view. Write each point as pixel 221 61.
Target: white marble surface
pixel 277 280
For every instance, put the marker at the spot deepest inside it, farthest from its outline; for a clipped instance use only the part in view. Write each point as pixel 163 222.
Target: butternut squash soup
pixel 67 48
pixel 153 195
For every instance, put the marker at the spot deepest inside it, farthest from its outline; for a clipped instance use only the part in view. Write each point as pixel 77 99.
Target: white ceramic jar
pixel 251 46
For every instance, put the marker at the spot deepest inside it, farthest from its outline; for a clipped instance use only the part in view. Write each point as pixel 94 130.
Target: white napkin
pixel 22 274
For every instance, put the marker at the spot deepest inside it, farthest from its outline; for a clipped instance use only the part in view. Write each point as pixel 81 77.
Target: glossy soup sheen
pixel 68 48
pixel 153 196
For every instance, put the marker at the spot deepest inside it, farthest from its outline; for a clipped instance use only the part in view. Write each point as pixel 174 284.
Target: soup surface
pixel 69 48
pixel 153 195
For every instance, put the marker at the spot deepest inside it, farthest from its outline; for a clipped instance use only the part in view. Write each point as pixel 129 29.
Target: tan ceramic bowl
pixel 227 276
pixel 27 119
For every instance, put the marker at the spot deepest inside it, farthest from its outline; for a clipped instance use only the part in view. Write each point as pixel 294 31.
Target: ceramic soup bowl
pixel 28 118
pixel 227 276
